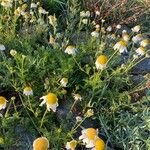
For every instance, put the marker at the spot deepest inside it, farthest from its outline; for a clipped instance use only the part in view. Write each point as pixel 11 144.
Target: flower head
pixel 41 143
pixel 51 101
pixel 144 42
pixel 3 102
pixel 109 29
pixel 7 3
pixel 71 50
pixel 99 144
pixel 89 136
pixel 101 62
pixel 89 113
pixel 64 82
pixel 125 37
pixel 140 51
pixel 2 47
pixel 121 46
pixel 95 34
pixel 13 52
pixel 77 97
pixel 136 28
pixel 71 145
pixel 27 91
pixel 137 38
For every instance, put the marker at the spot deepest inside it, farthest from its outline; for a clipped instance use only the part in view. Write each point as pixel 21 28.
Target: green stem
pixel 42 120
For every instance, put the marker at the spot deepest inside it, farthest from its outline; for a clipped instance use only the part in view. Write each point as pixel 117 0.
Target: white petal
pixel 42 103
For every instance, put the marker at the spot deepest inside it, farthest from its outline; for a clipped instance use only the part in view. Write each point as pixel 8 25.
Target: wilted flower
pixel 137 38
pixel 89 136
pixel 140 51
pixel 27 91
pixel 51 40
pixel 2 47
pixel 51 101
pixel 13 52
pixel 101 62
pixel 3 102
pixel 95 34
pixel 52 20
pixel 71 50
pixel 121 46
pixel 144 42
pixel 77 97
pixel 64 82
pixel 40 143
pixel 89 113
pixel 136 28
pixel 71 145
pixel 99 144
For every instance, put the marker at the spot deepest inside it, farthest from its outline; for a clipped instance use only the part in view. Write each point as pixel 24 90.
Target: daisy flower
pixel 64 82
pixel 71 50
pixel 51 101
pixel 140 51
pixel 2 47
pixel 40 143
pixel 89 136
pixel 101 62
pixel 95 34
pixel 144 42
pixel 77 97
pixel 99 144
pixel 27 91
pixel 13 52
pixel 121 46
pixel 125 37
pixel 3 102
pixel 71 145
pixel 137 38
pixel 136 28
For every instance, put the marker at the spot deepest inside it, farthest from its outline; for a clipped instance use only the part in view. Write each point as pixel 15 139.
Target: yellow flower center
pixel 142 49
pixel 65 80
pixel 122 43
pixel 40 144
pixel 27 88
pixel 73 144
pixel 51 99
pixel 99 144
pixel 102 59
pixel 139 35
pixel 2 100
pixel 91 133
pixel 70 47
pixel 146 41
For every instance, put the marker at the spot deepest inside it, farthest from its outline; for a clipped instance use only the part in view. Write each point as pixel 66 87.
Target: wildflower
pixel 136 28
pixel 7 3
pixel 118 26
pixel 77 97
pixel 85 21
pixel 113 36
pixel 64 82
pixel 102 20
pixel 52 20
pixel 33 5
pixel 135 56
pixel 51 101
pixel 140 51
pixel 97 26
pixel 2 47
pixel 89 136
pixel 125 37
pixel 41 143
pixel 13 52
pixel 124 31
pixel 3 102
pixel 99 144
pixel 137 38
pixel 78 119
pixel 101 62
pixel 42 11
pixel 82 14
pixel 121 46
pixel 97 13
pixel 71 50
pixel 95 34
pixel 27 91
pixel 87 13
pixel 109 29
pixel 89 113
pixel 144 42
pixel 71 145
